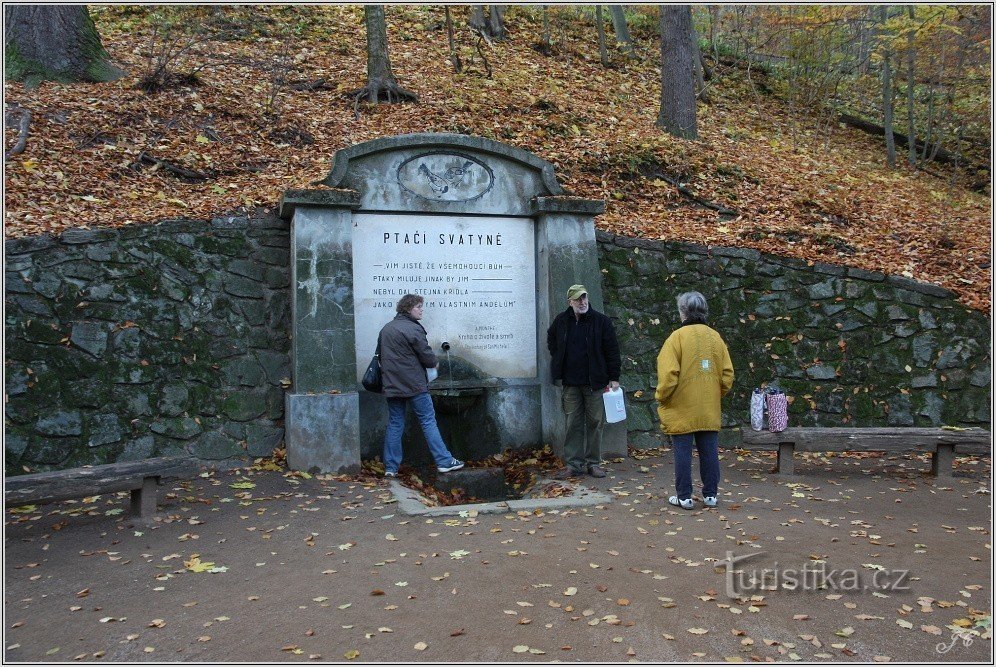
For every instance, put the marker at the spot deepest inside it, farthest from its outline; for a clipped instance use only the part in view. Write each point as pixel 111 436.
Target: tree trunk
pixel 715 16
pixel 497 24
pixel 619 26
pixel 381 84
pixel 478 21
pixel 698 67
pixel 492 24
pixel 54 43
pixel 677 110
pixel 454 56
pixel 545 45
pixel 910 82
pixel 887 96
pixel 600 28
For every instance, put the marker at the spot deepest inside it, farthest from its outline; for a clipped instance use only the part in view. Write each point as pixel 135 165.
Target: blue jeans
pixel 707 443
pixel 422 404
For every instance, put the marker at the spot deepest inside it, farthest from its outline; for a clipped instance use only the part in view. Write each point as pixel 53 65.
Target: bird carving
pixel 441 184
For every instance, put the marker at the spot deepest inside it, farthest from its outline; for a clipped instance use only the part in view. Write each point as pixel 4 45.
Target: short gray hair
pixel 692 306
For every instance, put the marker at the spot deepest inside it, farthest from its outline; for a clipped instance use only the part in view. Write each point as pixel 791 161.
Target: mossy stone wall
pixel 849 347
pixel 169 338
pixel 155 340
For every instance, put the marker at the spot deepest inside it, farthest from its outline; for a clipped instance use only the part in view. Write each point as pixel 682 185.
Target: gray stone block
pixel 244 406
pixel 215 446
pixel 14 445
pixel 181 428
pixel 261 440
pixel 821 372
pixel 242 371
pixel 33 305
pixel 323 432
pixel 243 287
pixel 275 365
pixel 90 336
pixel 174 400
pixel 76 236
pixel 861 274
pixel 824 290
pixel 60 423
pixel 104 429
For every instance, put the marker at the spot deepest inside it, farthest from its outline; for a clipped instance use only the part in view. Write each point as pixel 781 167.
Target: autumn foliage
pixel 258 104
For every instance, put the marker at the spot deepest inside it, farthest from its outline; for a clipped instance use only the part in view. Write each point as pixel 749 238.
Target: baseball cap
pixel 576 291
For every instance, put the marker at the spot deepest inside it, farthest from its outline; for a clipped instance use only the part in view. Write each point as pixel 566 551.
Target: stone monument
pixel 488 236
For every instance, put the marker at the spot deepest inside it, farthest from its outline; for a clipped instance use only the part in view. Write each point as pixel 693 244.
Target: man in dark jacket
pixel 404 357
pixel 585 359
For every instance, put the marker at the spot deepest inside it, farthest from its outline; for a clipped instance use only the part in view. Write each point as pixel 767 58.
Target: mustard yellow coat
pixel 694 372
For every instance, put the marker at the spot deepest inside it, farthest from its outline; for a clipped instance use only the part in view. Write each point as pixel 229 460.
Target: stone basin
pixel 455 401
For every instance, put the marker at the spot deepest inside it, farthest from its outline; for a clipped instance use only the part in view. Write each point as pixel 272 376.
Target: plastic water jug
pixel 615 405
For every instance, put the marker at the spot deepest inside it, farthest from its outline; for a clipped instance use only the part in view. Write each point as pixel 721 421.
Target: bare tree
pixel 677 112
pixel 619 26
pixel 910 83
pixel 545 45
pixel 699 66
pixel 887 90
pixel 381 84
pixel 490 25
pixel 454 56
pixel 54 43
pixel 600 28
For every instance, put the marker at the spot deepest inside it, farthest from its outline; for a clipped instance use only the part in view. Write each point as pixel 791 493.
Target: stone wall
pixel 850 347
pixel 154 340
pixel 145 341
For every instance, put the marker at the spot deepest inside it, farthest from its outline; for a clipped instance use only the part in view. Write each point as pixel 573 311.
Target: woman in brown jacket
pixel 694 372
pixel 404 357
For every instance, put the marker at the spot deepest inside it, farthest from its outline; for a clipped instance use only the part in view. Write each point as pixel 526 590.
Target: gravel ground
pixel 257 565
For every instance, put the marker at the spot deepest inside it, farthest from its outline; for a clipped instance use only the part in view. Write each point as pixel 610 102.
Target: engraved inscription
pixel 477 275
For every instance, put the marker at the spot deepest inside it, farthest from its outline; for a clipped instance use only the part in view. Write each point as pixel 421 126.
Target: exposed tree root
pixel 22 134
pixel 180 172
pixel 378 91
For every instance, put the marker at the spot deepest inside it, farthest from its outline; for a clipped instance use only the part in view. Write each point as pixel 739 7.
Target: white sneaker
pixel 390 473
pixel 683 504
pixel 710 501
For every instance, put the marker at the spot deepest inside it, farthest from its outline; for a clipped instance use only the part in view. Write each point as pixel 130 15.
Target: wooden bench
pixel 942 443
pixel 139 477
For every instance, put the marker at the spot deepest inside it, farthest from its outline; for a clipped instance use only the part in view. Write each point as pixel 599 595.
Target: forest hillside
pixel 224 108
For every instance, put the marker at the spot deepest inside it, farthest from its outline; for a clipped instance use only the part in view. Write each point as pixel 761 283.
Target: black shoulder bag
pixel 372 380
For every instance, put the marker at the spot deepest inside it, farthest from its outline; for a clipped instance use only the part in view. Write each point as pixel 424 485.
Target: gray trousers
pixel 585 412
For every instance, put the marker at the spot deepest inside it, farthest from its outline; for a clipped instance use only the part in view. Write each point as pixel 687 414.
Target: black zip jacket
pixel 604 362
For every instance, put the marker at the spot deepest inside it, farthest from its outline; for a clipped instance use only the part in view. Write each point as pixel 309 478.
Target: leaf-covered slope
pixel 112 155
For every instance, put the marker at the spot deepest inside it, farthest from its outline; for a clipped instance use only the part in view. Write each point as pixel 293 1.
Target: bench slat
pixel 867 439
pixel 942 443
pixel 80 482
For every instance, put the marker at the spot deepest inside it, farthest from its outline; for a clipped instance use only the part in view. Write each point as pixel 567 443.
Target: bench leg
pixel 143 501
pixel 786 461
pixel 942 463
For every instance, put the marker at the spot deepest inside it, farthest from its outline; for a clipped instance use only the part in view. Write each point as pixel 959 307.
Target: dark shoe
pixel 596 471
pixel 454 464
pixel 566 473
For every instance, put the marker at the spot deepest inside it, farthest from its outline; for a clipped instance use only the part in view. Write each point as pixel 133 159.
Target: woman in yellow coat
pixel 694 372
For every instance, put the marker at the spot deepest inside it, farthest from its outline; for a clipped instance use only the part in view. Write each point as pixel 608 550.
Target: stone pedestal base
pixel 323 432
